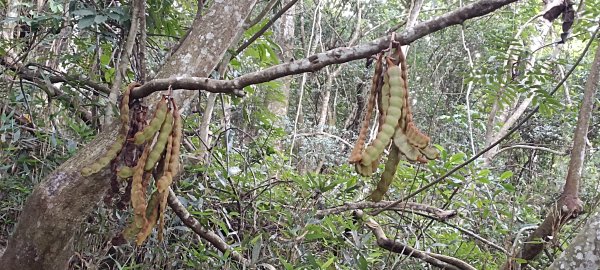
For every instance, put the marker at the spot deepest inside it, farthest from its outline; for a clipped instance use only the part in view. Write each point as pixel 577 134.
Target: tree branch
pixel 438 214
pixel 533 147
pixel 320 60
pixel 441 261
pixel 209 236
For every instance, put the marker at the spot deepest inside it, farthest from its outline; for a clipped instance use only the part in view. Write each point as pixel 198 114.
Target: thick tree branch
pixel 438 260
pixel 320 60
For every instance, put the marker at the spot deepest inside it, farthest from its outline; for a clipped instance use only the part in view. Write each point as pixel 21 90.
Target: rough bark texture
pixel 43 237
pixel 56 208
pixel 569 205
pixel 584 251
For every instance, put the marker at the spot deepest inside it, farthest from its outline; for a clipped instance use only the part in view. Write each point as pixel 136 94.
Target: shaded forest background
pixel 267 173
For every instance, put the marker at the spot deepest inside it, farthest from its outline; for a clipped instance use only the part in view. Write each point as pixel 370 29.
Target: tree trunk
pixel 568 205
pixel 284 36
pixel 583 253
pixel 57 207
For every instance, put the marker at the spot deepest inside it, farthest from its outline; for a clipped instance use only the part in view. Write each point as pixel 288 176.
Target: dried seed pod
pixel 388 174
pixel 138 192
pixel 356 154
pixel 151 218
pixel 177 136
pixel 401 141
pixel 416 137
pixel 147 134
pixel 161 142
pixel 162 187
pixel 125 108
pixel 430 152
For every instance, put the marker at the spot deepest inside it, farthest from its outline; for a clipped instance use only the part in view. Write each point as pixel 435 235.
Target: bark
pixel 57 207
pixel 584 251
pixel 569 204
pixel 284 36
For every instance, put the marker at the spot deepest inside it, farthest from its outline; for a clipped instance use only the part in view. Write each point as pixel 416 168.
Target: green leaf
pixel 506 175
pixel 86 22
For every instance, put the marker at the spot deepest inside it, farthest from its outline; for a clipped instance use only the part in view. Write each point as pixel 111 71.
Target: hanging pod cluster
pixel 161 154
pixel 161 141
pixel 396 128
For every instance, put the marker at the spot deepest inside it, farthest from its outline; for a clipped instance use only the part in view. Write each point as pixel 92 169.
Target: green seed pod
pixel 393 114
pixel 388 174
pixel 147 134
pixel 177 137
pixel 124 172
pixel 161 142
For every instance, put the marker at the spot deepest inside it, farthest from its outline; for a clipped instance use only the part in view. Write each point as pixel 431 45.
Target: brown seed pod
pixel 138 192
pixel 151 218
pixel 401 141
pixel 388 174
pixel 356 154
pixel 177 137
pixel 161 142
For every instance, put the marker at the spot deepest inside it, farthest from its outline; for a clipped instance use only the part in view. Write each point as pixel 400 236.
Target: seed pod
pixel 356 154
pixel 177 136
pixel 151 218
pixel 125 108
pixel 111 153
pixel 388 174
pixel 430 152
pixel 162 187
pixel 124 172
pixel 147 134
pixel 416 137
pixel 393 79
pixel 138 192
pixel 161 216
pixel 161 142
pixel 401 141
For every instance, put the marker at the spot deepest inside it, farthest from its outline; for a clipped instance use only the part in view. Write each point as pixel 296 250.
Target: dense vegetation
pixel 266 171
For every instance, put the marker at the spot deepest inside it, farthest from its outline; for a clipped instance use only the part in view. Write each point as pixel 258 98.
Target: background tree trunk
pixel 56 208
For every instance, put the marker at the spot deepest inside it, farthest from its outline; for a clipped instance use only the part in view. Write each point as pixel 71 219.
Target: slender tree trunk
pixel 284 36
pixel 57 207
pixel 568 205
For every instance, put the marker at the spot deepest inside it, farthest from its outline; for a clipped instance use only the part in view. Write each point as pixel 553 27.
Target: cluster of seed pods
pixel 161 140
pixel 396 127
